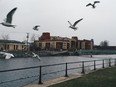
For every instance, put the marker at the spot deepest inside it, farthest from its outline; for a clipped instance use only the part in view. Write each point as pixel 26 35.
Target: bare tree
pixel 5 36
pixel 32 38
pixel 104 43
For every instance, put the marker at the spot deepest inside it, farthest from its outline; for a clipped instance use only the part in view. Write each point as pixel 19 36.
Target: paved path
pixel 55 81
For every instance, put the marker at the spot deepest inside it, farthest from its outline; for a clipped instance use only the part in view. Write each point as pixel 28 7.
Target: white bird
pixel 8 20
pixel 36 56
pixel 74 25
pixel 7 55
pixel 36 27
pixel 93 5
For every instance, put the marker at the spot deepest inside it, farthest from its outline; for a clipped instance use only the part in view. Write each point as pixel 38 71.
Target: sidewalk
pixel 55 81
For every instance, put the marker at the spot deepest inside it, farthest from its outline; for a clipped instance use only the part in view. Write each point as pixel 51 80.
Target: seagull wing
pixel 89 4
pixel 9 15
pixel 96 2
pixel 8 55
pixel 35 55
pixel 38 57
pixel 35 27
pixel 77 22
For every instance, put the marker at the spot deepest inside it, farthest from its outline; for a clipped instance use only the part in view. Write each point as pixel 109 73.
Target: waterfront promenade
pixel 55 81
pixel 98 78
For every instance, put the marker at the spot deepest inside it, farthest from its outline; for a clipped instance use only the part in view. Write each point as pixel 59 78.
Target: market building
pixel 48 42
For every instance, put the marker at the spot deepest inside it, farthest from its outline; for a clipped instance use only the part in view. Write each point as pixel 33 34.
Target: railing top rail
pixel 53 65
pixel 19 69
pixel 74 62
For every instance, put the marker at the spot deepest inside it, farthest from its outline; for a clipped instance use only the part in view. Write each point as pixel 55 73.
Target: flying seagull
pixel 93 5
pixel 7 55
pixel 74 25
pixel 36 27
pixel 8 20
pixel 35 56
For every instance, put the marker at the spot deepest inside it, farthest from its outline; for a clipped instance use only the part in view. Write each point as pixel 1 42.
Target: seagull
pixel 73 26
pixel 36 27
pixel 7 55
pixel 35 56
pixel 8 20
pixel 93 5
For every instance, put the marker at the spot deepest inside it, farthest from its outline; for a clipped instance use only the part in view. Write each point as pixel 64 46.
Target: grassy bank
pixel 101 78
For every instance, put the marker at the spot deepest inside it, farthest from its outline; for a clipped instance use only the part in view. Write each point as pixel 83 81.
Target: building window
pixel 47 46
pixel 16 47
pixel 22 46
pixel 59 45
pixel 7 47
pixel 40 44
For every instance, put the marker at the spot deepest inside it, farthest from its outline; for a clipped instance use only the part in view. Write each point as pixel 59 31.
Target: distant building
pixel 98 47
pixel 12 45
pixel 47 42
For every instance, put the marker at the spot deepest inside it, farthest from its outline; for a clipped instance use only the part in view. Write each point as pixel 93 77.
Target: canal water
pixel 23 77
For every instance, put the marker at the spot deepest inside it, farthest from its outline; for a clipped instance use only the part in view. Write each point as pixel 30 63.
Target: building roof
pixel 9 41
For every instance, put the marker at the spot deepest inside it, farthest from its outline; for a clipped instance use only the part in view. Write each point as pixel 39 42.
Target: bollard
pixel 83 70
pixel 40 82
pixel 109 62
pixel 66 71
pixel 103 63
pixel 94 65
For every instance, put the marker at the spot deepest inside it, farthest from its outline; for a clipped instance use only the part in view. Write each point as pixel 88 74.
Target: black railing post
pixel 115 62
pixel 40 80
pixel 66 71
pixel 94 64
pixel 103 64
pixel 109 62
pixel 83 70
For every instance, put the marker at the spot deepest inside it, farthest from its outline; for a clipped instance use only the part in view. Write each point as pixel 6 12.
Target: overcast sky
pixel 52 15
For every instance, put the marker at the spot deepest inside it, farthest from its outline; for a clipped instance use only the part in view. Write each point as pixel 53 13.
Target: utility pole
pixel 27 41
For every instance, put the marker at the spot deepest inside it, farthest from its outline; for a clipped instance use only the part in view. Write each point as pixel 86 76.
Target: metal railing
pixel 64 67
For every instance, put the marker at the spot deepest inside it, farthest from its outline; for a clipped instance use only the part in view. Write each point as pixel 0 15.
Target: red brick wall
pixel 45 36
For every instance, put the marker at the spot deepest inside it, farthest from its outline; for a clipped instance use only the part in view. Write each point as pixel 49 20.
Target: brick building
pixel 47 42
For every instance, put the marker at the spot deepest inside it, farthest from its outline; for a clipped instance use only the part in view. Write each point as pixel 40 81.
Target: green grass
pixel 101 78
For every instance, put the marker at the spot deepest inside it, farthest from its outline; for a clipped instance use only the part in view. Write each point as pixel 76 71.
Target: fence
pixel 97 51
pixel 63 68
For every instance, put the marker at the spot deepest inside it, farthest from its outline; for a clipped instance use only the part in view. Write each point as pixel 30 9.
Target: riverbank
pixel 25 54
pixel 100 78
